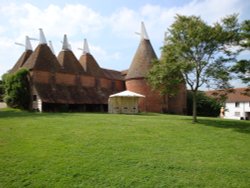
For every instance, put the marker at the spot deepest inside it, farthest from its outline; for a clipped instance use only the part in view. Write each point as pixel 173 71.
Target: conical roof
pixel 69 62
pixel 142 60
pixel 67 59
pixel 127 93
pixel 20 62
pixel 90 65
pixel 51 47
pixel 42 59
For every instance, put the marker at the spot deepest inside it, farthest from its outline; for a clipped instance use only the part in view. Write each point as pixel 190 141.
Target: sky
pixel 108 25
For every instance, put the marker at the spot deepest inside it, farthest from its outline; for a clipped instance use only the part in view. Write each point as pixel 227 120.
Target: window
pixel 237 114
pixel 34 97
pixel 237 104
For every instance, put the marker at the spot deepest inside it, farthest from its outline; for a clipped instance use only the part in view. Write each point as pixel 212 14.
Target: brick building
pixel 66 83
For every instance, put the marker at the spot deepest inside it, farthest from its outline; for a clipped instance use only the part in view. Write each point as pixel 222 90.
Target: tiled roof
pixel 43 59
pixel 112 74
pixel 124 72
pixel 21 61
pixel 142 60
pixel 69 62
pixel 233 95
pixel 63 94
pixel 90 65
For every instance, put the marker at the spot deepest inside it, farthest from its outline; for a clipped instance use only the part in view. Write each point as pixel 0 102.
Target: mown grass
pixel 104 150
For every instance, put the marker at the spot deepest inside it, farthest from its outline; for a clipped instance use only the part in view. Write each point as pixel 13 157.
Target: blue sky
pixel 109 25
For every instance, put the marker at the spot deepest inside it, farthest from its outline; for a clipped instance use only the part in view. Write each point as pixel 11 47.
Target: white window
pixel 237 114
pixel 237 104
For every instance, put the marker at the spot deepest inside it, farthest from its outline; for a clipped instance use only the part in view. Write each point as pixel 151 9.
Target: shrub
pixel 17 89
pixel 1 90
pixel 206 106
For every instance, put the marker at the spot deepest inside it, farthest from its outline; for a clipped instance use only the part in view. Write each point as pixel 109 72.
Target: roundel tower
pixel 135 81
pixel 136 76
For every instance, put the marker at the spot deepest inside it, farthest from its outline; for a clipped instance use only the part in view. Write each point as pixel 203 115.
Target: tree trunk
pixel 194 107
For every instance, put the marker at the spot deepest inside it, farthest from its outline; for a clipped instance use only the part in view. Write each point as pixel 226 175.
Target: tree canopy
pixel 242 67
pixel 1 90
pixel 206 106
pixel 198 54
pixel 17 89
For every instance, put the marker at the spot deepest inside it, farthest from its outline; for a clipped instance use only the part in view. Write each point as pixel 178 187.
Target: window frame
pixel 237 114
pixel 237 104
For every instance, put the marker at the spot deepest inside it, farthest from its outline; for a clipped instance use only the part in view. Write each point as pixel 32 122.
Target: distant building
pixel 82 85
pixel 237 103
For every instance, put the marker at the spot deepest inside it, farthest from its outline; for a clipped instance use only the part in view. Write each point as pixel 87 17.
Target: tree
pixel 242 67
pixel 206 106
pixel 196 53
pixel 1 90
pixel 17 89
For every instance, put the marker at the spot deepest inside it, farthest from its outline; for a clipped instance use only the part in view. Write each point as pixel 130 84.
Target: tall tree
pixel 242 67
pixel 196 53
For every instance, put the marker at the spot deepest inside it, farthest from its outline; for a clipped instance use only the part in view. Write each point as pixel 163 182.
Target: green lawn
pixel 104 150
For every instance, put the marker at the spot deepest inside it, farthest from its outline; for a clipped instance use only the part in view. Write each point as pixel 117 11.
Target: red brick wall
pixel 88 81
pixel 41 76
pixel 153 101
pixel 105 83
pixel 67 79
pixel 178 103
pixel 119 85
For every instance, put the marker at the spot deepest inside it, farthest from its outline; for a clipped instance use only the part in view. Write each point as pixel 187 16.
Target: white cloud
pixel 2 29
pixel 7 48
pixel 124 22
pixel 71 19
pixel 80 21
pixel 212 10
pixel 103 57
pixel 25 19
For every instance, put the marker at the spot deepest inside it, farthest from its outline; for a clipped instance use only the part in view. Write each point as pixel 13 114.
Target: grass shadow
pixel 15 113
pixel 145 114
pixel 236 125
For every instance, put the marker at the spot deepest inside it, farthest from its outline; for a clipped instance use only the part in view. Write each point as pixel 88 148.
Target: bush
pixel 17 89
pixel 206 106
pixel 1 90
